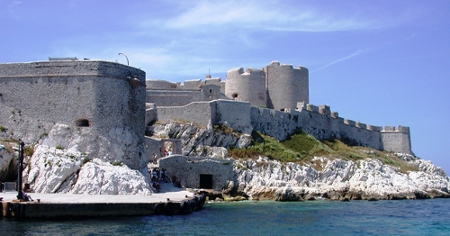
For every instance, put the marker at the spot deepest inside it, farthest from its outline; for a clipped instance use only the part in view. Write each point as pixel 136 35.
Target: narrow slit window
pixel 82 123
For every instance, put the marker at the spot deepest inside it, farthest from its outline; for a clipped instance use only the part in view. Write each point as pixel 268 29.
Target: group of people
pixel 157 176
pixel 160 175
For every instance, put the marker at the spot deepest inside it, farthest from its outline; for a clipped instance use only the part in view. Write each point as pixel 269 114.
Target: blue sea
pixel 405 217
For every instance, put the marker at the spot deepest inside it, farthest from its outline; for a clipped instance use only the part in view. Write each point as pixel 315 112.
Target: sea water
pixel 405 217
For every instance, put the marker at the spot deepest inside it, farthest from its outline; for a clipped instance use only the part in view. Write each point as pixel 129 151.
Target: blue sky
pixel 384 62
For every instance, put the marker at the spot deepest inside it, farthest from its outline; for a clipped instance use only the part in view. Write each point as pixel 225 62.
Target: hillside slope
pixel 302 168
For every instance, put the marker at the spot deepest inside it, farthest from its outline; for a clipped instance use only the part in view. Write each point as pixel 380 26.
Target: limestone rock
pixel 201 141
pixel 338 180
pixel 53 170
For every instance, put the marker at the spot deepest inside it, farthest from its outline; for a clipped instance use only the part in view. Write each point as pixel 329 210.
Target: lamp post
pixel 19 177
pixel 128 62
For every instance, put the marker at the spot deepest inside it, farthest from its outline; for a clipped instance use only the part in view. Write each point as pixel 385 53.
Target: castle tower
pixel 103 100
pixel 396 140
pixel 246 86
pixel 286 86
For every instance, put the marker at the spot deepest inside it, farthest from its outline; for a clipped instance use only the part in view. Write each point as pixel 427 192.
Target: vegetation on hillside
pixel 301 148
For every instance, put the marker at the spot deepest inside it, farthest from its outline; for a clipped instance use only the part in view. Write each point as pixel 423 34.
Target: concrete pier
pixel 169 201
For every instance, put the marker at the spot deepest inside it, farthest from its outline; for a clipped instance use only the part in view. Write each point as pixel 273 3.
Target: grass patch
pixel 223 128
pixel 3 129
pixel 117 163
pixel 28 150
pixel 43 135
pixel 301 148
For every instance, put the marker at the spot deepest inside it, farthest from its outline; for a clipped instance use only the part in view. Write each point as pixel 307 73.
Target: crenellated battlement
pixel 401 129
pixel 326 111
pixel 286 66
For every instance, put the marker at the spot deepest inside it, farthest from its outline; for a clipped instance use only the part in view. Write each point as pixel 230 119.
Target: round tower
pixel 286 86
pixel 246 86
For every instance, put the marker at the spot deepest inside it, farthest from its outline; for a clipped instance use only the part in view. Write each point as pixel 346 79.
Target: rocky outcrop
pixel 52 170
pixel 338 180
pixel 76 161
pixel 196 141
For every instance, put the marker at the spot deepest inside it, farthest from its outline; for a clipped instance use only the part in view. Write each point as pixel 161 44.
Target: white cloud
pixel 262 15
pixel 357 53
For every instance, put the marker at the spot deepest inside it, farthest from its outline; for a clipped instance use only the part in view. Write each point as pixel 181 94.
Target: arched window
pixel 82 123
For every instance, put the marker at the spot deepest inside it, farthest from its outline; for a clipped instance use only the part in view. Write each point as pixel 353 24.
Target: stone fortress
pixel 109 105
pixel 104 102
pixel 273 100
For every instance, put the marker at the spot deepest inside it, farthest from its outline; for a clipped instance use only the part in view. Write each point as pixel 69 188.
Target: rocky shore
pixel 337 179
pixel 54 170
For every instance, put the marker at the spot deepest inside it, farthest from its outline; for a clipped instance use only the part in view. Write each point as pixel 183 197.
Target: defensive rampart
pixel 324 124
pixel 97 97
pixel 318 121
pixel 232 113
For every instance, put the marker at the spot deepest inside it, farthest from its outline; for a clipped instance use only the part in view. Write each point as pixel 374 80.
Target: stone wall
pixel 173 97
pixel 324 124
pixel 98 96
pixel 397 139
pixel 232 113
pixel 200 113
pixel 188 170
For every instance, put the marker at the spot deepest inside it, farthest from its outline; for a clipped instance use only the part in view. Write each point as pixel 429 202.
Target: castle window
pixel 82 123
pixel 234 95
pixel 210 90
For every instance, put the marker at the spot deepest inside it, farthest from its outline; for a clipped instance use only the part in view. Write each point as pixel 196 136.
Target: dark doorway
pixel 206 181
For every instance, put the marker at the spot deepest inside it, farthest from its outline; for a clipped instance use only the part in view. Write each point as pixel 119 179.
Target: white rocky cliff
pixel 339 180
pixel 68 161
pixel 324 178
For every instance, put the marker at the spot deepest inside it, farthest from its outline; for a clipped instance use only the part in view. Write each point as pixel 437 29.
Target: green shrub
pixel 43 135
pixel 28 150
pixel 117 163
pixel 3 129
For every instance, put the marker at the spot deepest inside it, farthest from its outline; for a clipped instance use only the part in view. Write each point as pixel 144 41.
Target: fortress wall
pixel 200 113
pixel 356 136
pixel 215 81
pixel 286 86
pixel 222 87
pixel 210 92
pixel 317 121
pixel 396 140
pixel 235 114
pixel 105 96
pixel 150 115
pixel 160 84
pixel 271 122
pixel 246 86
pixel 194 84
pixel 173 97
pixel 318 125
pixel 153 145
